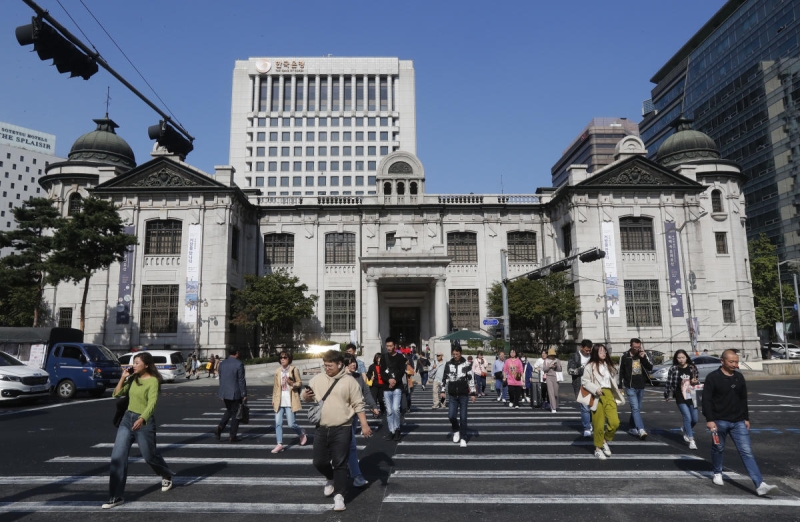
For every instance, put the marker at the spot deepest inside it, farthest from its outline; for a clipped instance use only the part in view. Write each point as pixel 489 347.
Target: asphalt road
pixel 519 465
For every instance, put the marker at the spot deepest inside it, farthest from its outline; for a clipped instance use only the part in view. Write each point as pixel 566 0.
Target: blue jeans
pixel 501 388
pixel 741 439
pixel 352 457
pixel 290 420
pixel 480 383
pixel 393 399
pixel 424 377
pixel 635 397
pixel 586 418
pixel 689 413
pixel 456 402
pixel 145 437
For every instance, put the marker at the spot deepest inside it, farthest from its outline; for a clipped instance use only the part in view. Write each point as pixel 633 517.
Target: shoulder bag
pixel 243 414
pixel 587 398
pixel 315 412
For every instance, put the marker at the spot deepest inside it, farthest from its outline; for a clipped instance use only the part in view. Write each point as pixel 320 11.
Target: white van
pixel 20 381
pixel 170 364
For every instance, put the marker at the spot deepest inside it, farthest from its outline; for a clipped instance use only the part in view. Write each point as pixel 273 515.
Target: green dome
pixel 102 145
pixel 686 145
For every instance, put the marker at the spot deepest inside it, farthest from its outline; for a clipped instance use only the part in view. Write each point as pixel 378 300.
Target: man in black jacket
pixel 575 368
pixel 725 410
pixel 393 368
pixel 232 390
pixel 459 382
pixel 634 368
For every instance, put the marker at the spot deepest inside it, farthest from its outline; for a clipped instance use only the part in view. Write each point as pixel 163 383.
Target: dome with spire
pixel 686 145
pixel 102 145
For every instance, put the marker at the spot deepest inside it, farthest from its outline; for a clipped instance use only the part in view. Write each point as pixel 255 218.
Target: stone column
pixel 441 307
pixel 373 312
pixel 256 93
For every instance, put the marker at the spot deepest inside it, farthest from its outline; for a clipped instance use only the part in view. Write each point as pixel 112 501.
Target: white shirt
pixel 605 376
pixel 286 391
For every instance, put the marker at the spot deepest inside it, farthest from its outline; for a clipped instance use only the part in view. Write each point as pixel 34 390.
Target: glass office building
pixel 737 77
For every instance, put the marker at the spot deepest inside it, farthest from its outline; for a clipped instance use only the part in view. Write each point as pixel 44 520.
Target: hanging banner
pixel 125 278
pixel 192 274
pixel 610 269
pixel 674 269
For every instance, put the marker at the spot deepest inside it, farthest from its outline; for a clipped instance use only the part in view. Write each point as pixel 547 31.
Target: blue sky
pixel 502 87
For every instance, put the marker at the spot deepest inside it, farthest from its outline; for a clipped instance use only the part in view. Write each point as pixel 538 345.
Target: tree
pixel 766 292
pixel 90 240
pixel 275 303
pixel 27 269
pixel 536 309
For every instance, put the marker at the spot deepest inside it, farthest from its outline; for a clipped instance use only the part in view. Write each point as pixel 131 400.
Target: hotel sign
pixel 27 139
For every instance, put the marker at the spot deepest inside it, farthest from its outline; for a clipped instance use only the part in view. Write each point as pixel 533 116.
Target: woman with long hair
pixel 599 379
pixel 512 374
pixel 141 383
pixel 377 383
pixel 286 388
pixel 681 378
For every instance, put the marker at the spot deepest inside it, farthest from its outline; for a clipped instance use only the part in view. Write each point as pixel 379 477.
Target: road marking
pixel 191 460
pixel 216 446
pixel 498 424
pixel 168 507
pixel 671 500
pixel 59 405
pixel 179 480
pixel 562 474
pixel 531 443
pixel 481 417
pixel 781 396
pixel 542 456
pixel 494 433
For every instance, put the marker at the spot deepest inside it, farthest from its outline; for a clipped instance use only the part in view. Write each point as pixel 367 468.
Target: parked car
pixel 170 364
pixel 705 364
pixel 788 350
pixel 20 381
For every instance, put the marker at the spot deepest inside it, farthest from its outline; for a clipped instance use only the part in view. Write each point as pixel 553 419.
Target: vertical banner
pixel 674 269
pixel 125 278
pixel 610 269
pixel 192 274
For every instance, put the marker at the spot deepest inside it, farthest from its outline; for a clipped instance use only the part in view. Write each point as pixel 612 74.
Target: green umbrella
pixel 464 335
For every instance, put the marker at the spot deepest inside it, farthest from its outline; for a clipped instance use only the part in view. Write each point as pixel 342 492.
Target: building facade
pixel 319 126
pixel 24 156
pixel 737 77
pixel 593 147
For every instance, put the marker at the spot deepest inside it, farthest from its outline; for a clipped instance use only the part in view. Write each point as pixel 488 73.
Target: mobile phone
pixel 308 388
pixel 129 370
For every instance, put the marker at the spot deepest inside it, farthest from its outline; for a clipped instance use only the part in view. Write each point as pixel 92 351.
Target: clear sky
pixel 502 87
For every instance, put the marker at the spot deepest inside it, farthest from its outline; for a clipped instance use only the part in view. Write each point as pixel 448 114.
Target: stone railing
pixel 150 260
pixel 340 200
pixel 279 200
pixel 523 199
pixel 402 199
pixel 461 199
pixel 647 256
pixel 454 268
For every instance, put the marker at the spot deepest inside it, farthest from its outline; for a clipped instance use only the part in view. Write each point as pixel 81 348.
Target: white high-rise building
pixel 319 126
pixel 24 155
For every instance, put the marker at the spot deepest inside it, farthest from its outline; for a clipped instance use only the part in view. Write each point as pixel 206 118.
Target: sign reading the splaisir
pixel 27 138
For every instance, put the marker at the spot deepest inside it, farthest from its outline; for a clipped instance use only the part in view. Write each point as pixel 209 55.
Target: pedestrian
pixel 681 379
pixel 286 387
pixel 351 368
pixel 479 368
pixel 141 383
pixel 193 366
pixel 575 367
pixel 634 368
pixel 438 376
pixel 423 365
pixel 726 412
pixel 393 368
pixel 352 350
pixel 538 367
pixel 527 378
pixel 341 398
pixel 233 391
pixel 210 367
pixel 376 382
pixel 408 387
pixel 513 374
pixel 500 384
pixel 216 366
pixel 459 383
pixel 600 379
pixel 552 369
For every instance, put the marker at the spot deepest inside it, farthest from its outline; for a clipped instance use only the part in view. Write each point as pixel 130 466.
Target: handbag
pixel 498 376
pixel 559 376
pixel 243 415
pixel 587 398
pixel 314 413
pixel 122 407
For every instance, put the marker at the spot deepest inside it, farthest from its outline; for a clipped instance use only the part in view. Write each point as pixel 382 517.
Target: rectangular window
pixel 462 247
pixel 235 244
pixel 359 135
pixel 323 136
pixel 642 303
pixel 384 150
pixel 371 151
pixel 309 151
pixel 310 136
pixel 321 180
pixel 287 94
pixel 728 315
pixel 334 122
pixel 335 97
pixel 273 151
pixel 278 249
pixel 323 95
pixel 372 180
pixel 340 310
pixel 260 152
pixel 347 181
pixel 297 181
pixel 348 94
pixel 359 150
pixel 310 122
pixel 371 166
pixel 347 165
pixel 259 181
pixel 284 181
pixel 566 235
pixel 335 136
pixel 65 317
pixel 334 151
pixel 298 95
pixel 347 151
pixel 334 166
pixel 340 248
pixel 464 309
pixel 272 181
pixel 347 136
pixel 360 93
pixel 285 151
pixel 359 165
pixel 384 95
pixel 323 151
pixel 334 181
pixel 273 122
pixel 163 237
pixel 159 312
pixel 371 94
pixel 273 136
pixel 522 247
pixel 359 122
pixel 721 240
pixel 298 136
pixel 284 166
pixel 384 136
pixel 371 136
pixel 276 93
pixel 273 166
pixel 286 136
pixel 359 181
pixel 310 180
pixel 322 166
pixel 312 95
pixel 309 166
pixel 636 234
pixel 298 151
pixel 297 166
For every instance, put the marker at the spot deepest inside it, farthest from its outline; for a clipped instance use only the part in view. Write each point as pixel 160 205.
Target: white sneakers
pixel 686 438
pixel 717 480
pixel 114 502
pixel 765 489
pixel 499 399
pixel 328 491
pixel 166 484
pixel 463 443
pixel 338 503
pixel 692 445
pixel 510 405
pixel 456 436
pixel 553 411
pixel 606 449
pixel 360 481
pixel 642 434
pixel 599 454
pixel 587 433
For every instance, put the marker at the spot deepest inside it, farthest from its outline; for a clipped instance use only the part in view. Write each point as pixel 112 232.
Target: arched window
pixel 401 188
pixel 340 249
pixel 636 234
pixel 462 247
pixel 163 237
pixel 278 249
pixel 75 204
pixel 387 188
pixel 716 201
pixel 412 188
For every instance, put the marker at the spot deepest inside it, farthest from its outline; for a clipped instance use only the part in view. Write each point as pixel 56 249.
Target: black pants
pixel 230 415
pixel 331 449
pixel 377 394
pixel 514 394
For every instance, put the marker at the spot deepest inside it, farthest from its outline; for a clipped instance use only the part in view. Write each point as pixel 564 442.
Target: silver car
pixel 786 350
pixel 705 364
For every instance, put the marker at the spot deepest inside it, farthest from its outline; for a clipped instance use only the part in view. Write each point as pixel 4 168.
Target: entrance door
pixel 404 325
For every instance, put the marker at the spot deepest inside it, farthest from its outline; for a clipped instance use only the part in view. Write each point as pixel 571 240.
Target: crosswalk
pixel 518 457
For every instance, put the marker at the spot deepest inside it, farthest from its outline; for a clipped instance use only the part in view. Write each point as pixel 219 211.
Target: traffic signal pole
pixel 42 13
pixel 504 278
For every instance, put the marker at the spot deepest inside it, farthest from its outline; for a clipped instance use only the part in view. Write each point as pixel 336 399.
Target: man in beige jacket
pixel 332 435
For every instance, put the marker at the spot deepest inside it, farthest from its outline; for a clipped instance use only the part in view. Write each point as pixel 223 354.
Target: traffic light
pixel 535 276
pixel 592 255
pixel 561 266
pixel 170 139
pixel 49 44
